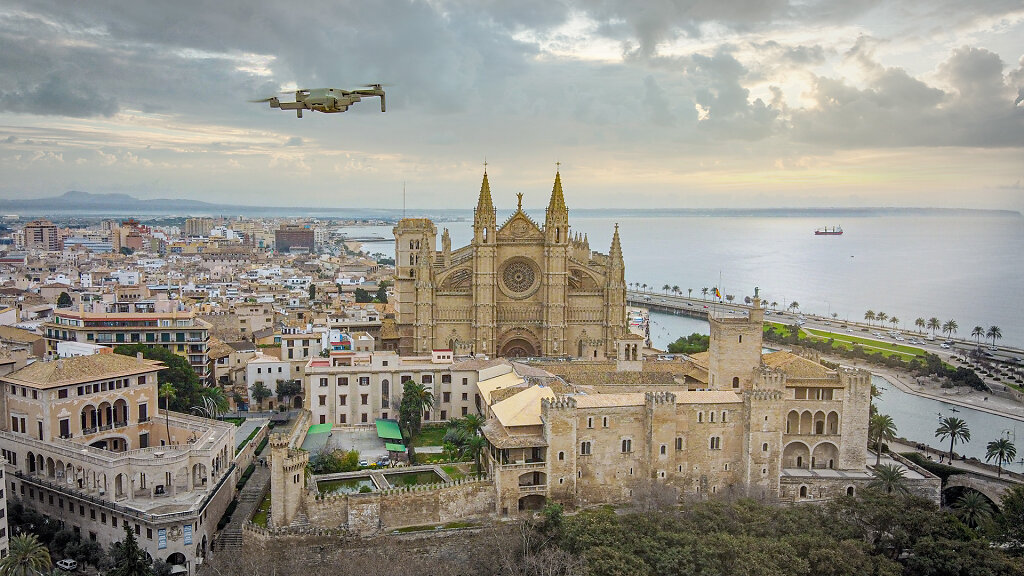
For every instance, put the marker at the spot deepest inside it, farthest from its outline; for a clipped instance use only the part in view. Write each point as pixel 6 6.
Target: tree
pixel 920 325
pixel 894 321
pixel 288 388
pixel 888 477
pixel 950 327
pixel 1002 451
pixel 973 509
pixel 881 428
pixel 994 333
pixel 676 291
pixel 129 559
pixel 704 293
pixel 794 305
pixel 177 372
pixel 382 293
pixel 934 324
pixel 955 429
pixel 644 286
pixel 64 300
pixel 472 424
pixel 881 317
pixel 666 288
pixel 689 292
pixel 869 316
pixel 362 296
pixel 476 446
pixel 167 392
pixel 774 304
pixel 1009 523
pixel 27 557
pixel 127 251
pixel 416 399
pixel 312 292
pixel 260 392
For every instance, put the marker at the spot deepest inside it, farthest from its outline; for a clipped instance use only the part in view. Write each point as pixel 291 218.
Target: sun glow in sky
pixel 704 103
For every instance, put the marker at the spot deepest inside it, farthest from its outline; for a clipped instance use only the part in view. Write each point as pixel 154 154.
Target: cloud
pixel 294 141
pixel 56 96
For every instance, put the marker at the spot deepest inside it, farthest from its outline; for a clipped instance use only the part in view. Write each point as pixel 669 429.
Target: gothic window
pixel 716 443
pixel 627 445
pixel 585 448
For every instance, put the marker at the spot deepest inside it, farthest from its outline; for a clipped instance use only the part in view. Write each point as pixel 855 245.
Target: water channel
pixel 916 417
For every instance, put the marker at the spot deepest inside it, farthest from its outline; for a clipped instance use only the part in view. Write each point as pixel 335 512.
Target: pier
pixel 682 305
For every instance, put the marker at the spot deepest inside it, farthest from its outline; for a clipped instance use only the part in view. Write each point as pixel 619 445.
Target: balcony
pixel 106 427
pixel 144 419
pixel 533 488
pixel 120 424
pixel 527 465
pixel 88 431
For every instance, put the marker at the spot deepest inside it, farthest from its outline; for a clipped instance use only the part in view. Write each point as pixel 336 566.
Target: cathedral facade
pixel 518 289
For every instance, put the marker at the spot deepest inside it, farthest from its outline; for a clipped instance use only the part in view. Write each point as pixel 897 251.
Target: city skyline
pixel 645 105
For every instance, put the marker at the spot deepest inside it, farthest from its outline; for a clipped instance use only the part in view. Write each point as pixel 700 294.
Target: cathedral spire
pixel 616 250
pixel 557 202
pixel 485 203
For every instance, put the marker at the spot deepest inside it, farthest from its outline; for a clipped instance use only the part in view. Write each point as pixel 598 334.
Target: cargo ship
pixel 826 231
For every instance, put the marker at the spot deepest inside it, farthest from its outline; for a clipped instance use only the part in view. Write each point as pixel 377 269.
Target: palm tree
pixel 881 428
pixel 27 557
pixel 888 477
pixel 666 288
pixel 920 325
pixel 689 292
pixel 869 316
pixel 774 304
pixel 260 392
pixel 955 429
pixel 644 287
pixel 881 317
pixel 894 321
pixel 472 424
pixel 934 324
pixel 676 290
pixel 950 327
pixel 476 446
pixel 167 392
pixel 704 293
pixel 973 509
pixel 794 305
pixel 1002 451
pixel 994 332
pixel 978 333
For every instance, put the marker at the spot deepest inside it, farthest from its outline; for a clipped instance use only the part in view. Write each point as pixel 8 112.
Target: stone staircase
pixel 230 538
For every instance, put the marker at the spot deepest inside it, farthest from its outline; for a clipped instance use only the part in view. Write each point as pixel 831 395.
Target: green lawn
pixel 235 421
pixel 431 436
pixel 260 518
pixel 868 343
pixel 454 472
pixel 448 526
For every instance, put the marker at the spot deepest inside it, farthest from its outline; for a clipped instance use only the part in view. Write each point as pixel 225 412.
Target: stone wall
pixel 395 508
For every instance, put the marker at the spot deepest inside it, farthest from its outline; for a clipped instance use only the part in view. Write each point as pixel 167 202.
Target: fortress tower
pixel 735 349
pixel 287 480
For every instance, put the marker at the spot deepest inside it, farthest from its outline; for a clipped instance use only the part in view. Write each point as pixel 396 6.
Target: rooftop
pixel 796 366
pixel 76 369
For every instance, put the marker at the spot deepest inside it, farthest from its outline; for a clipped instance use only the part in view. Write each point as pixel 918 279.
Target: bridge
pixel 993 488
pixel 682 305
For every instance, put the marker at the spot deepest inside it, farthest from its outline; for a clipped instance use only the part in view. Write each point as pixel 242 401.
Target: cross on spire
pixel 485 164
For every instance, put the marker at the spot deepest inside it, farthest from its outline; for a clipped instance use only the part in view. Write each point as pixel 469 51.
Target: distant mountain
pixel 75 200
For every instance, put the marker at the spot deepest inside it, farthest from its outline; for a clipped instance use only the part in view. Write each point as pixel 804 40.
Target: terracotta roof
pixel 500 438
pixel 218 349
pixel 700 358
pixel 795 366
pixel 609 400
pixel 477 363
pixel 78 369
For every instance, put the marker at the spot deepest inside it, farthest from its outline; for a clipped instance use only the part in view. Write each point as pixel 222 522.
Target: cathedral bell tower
pixel 615 295
pixel 556 271
pixel 484 256
pixel 415 240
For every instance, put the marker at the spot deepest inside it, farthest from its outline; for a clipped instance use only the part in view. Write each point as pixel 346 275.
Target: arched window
pixel 803 491
pixel 849 490
pixel 558 234
pixel 700 416
pixel 723 415
pixel 736 382
pixel 561 456
pixel 741 339
pixel 711 417
pixel 764 447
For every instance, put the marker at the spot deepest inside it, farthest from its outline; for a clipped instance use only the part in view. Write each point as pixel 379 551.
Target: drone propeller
pixel 378 86
pixel 261 101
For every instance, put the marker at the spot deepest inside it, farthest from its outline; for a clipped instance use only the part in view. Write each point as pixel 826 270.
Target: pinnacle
pixel 485 203
pixel 557 202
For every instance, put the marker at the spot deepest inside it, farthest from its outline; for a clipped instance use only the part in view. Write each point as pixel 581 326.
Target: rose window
pixel 518 276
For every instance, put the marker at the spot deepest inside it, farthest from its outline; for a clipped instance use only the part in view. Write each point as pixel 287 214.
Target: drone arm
pixel 382 101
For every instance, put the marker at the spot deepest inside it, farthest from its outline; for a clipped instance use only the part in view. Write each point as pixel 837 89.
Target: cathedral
pixel 518 289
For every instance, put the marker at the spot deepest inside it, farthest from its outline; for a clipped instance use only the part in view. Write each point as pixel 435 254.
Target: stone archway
pixel 517 348
pixel 518 343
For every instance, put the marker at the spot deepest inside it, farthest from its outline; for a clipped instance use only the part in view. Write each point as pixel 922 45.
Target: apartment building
pixel 162 323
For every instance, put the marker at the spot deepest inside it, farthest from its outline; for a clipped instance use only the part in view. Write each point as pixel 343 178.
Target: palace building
pixel 521 289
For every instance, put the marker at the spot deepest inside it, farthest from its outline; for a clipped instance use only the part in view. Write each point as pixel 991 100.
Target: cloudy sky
pixel 645 104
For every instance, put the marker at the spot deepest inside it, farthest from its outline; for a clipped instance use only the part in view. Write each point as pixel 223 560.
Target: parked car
pixel 67 565
pixel 364 463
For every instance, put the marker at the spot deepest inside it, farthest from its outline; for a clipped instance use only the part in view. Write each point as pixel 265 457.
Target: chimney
pixel 138 356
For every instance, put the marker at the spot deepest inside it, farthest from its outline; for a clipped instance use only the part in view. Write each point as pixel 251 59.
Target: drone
pixel 327 100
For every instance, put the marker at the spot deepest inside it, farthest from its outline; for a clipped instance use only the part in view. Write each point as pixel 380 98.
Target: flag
pixel 717 294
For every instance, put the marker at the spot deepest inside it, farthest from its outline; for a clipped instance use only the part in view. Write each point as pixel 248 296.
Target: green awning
pixel 319 428
pixel 394 447
pixel 388 430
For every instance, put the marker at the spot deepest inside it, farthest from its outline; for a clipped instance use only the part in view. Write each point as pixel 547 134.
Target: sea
pixel 965 267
